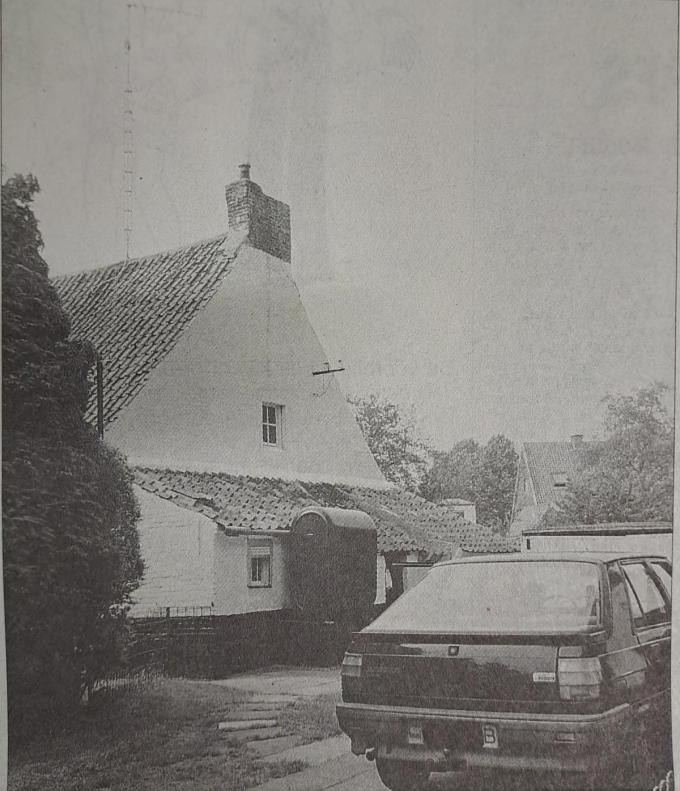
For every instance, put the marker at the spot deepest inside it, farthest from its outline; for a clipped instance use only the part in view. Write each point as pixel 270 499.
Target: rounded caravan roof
pixel 345 518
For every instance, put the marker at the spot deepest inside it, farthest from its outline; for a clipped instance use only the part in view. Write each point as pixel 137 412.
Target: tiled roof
pixel 548 459
pixel 134 312
pixel 493 544
pixel 405 522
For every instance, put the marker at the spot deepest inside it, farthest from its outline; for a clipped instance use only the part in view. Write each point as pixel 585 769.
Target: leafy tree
pixel 628 476
pixel 71 554
pixel 392 438
pixel 483 474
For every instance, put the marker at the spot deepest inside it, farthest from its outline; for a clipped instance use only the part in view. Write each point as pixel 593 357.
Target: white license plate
pixel 415 734
pixel 489 736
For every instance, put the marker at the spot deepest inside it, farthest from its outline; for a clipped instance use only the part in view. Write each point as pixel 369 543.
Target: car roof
pixel 592 557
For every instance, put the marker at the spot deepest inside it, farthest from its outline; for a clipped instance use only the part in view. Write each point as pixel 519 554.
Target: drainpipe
pixel 100 397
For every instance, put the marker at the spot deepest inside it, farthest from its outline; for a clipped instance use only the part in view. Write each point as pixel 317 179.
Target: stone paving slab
pixel 315 753
pixel 241 725
pixel 266 747
pixel 254 734
pixel 248 714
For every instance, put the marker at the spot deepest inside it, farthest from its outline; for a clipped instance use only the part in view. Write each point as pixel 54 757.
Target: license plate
pixel 489 736
pixel 415 734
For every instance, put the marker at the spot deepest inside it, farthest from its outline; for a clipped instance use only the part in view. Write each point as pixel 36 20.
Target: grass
pixel 312 718
pixel 160 736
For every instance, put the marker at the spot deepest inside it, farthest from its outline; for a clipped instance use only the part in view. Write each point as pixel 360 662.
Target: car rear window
pixel 500 597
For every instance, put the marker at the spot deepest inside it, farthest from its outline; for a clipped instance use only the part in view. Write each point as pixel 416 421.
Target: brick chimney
pixel 265 220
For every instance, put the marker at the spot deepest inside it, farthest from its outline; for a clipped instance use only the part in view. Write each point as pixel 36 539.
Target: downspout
pixel 100 396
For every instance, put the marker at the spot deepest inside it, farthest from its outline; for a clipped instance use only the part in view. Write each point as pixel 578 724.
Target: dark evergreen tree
pixel 71 553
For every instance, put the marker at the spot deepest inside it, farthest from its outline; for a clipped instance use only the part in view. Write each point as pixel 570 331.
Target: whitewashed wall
pixel 178 549
pixel 230 573
pixel 201 408
pixel 380 595
pixel 190 562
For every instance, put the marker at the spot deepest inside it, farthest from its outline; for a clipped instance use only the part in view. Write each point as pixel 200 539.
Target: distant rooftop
pixel 553 463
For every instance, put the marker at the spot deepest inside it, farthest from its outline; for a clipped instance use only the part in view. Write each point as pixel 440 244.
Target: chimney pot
pixel 576 439
pixel 244 170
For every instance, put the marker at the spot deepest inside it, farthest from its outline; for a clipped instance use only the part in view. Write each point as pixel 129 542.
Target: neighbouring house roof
pixel 602 529
pixel 550 463
pixel 492 543
pixel 135 311
pixel 404 521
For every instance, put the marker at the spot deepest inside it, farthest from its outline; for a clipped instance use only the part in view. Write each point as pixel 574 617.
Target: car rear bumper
pixel 453 739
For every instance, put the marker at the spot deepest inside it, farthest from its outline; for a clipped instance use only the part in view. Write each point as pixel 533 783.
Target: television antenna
pixel 128 141
pixel 326 371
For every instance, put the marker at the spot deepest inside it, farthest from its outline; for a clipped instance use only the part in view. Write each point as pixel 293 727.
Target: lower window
pixel 260 562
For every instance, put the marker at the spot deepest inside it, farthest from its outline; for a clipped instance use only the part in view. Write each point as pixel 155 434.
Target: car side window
pixel 663 572
pixel 647 604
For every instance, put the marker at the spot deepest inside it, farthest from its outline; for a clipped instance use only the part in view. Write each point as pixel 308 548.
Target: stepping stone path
pixel 255 722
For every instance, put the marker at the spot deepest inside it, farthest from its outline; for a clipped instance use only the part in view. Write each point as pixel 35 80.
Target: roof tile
pixel 404 521
pixel 546 459
pixel 134 312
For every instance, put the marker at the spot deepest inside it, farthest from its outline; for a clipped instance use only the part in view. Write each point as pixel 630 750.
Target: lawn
pixel 159 736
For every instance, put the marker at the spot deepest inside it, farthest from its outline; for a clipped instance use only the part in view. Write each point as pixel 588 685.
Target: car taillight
pixel 579 678
pixel 351 666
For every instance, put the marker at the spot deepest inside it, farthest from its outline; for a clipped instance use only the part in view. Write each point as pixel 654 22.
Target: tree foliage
pixel 392 438
pixel 483 474
pixel 71 553
pixel 628 476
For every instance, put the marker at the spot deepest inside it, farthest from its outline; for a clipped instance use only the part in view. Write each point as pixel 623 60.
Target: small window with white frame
pixel 271 424
pixel 260 552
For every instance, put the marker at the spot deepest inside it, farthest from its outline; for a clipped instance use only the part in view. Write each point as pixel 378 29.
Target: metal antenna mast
pixel 128 150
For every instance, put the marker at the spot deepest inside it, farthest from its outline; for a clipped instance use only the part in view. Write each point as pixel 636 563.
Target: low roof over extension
pixel 405 522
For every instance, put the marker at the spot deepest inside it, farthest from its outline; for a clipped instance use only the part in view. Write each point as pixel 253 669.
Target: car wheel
pixel 402 775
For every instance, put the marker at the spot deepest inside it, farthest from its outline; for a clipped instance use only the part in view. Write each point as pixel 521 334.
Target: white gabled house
pixel 207 356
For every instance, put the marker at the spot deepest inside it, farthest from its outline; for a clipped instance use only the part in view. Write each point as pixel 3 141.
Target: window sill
pixel 259 584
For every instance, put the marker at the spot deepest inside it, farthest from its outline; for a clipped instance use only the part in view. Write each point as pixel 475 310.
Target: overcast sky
pixel 482 191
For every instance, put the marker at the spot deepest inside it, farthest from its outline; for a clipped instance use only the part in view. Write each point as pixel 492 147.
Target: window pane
pixel 255 569
pixel 636 612
pixel 264 413
pixel 500 597
pixel 651 601
pixel 272 435
pixel 272 414
pixel 265 567
pixel 664 574
pixel 265 433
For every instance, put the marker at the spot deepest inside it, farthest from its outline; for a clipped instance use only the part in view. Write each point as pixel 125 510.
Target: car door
pixel 651 620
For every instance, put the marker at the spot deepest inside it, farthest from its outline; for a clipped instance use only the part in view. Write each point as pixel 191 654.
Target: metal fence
pixel 178 612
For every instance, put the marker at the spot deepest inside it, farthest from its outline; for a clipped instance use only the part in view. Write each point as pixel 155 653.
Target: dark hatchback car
pixel 537 663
